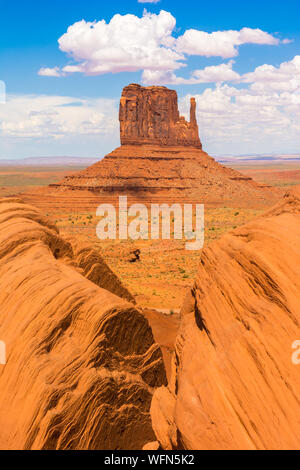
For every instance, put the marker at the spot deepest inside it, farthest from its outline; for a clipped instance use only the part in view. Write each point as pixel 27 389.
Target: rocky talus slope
pixel 233 383
pixel 82 363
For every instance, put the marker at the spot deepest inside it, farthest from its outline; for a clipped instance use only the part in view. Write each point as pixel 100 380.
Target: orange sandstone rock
pixel 233 383
pixel 82 363
pixel 149 115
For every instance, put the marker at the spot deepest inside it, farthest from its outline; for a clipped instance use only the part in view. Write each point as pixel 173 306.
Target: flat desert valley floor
pixel 165 269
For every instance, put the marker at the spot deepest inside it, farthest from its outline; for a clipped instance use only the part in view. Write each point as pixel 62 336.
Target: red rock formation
pixel 233 383
pixel 82 363
pixel 161 156
pixel 149 115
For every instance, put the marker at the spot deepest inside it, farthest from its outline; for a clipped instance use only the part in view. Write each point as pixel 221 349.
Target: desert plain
pixel 165 269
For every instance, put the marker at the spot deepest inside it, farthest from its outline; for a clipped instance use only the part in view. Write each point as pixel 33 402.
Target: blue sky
pixel 75 113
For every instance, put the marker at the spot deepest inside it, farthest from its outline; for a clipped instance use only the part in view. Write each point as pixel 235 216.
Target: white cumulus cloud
pixel 221 43
pixel 43 116
pixel 286 77
pixel 214 73
pixel 128 43
pixel 50 72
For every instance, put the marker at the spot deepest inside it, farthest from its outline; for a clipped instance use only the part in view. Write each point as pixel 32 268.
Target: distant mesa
pixel 49 161
pixel 161 157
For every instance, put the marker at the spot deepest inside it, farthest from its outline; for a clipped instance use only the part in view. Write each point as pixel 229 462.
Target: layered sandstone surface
pixel 149 115
pixel 179 174
pixel 82 363
pixel 233 383
pixel 161 157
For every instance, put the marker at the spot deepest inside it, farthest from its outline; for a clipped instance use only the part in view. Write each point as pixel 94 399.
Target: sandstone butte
pixel 82 363
pixel 161 158
pixel 233 383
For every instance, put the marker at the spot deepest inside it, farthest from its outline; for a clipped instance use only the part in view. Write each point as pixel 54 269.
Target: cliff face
pixel 149 115
pixel 82 363
pixel 233 383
